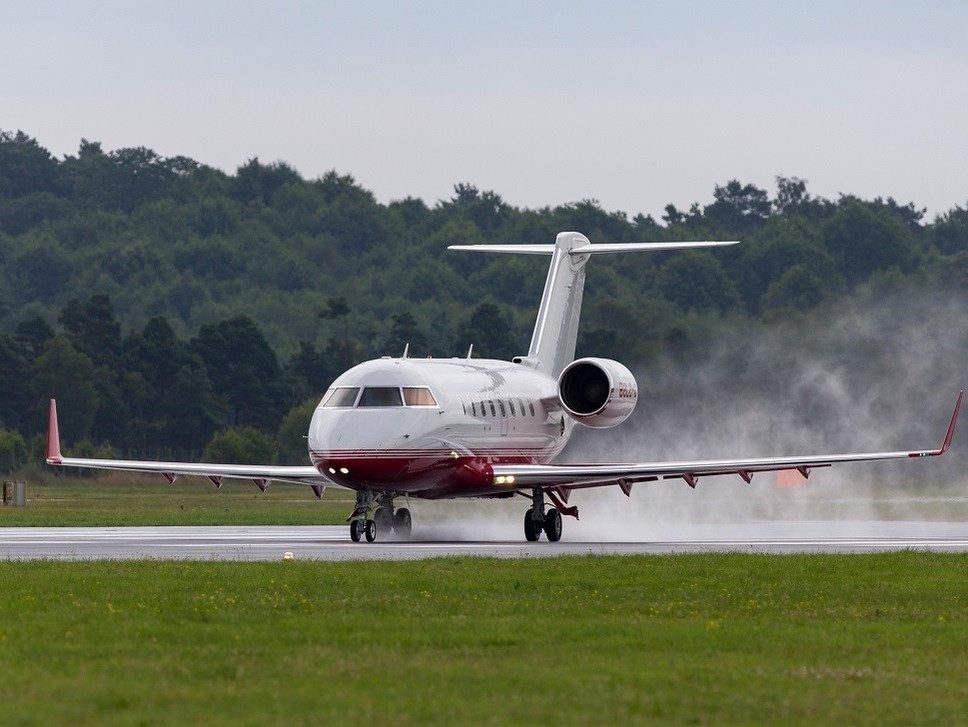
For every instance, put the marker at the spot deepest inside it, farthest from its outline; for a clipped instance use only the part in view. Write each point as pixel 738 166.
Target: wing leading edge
pixel 566 477
pixel 261 475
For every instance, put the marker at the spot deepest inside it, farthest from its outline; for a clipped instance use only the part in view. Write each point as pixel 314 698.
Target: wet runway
pixel 333 543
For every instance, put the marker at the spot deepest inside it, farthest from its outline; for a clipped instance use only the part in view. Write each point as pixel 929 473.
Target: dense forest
pixel 171 307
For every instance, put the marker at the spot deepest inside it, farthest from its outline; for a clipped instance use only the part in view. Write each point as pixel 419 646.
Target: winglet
pixel 946 444
pixel 53 436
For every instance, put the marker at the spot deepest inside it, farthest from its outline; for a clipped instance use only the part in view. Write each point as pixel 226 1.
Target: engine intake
pixel 598 392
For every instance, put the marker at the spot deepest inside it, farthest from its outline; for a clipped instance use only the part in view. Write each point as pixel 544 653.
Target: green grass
pixel 705 639
pixel 116 499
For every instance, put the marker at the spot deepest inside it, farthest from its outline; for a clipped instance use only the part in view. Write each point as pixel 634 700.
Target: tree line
pixel 164 301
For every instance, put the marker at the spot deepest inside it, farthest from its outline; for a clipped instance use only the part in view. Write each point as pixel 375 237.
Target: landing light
pixel 332 471
pixel 500 480
pixel 343 471
pixel 509 479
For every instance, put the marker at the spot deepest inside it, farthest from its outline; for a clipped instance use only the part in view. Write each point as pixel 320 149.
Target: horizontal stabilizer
pixel 600 247
pixel 519 249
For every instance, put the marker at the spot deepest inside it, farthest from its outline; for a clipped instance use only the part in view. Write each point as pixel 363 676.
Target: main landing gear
pixel 384 522
pixel 537 519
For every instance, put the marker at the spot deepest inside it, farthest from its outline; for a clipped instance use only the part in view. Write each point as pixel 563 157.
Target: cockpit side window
pixel 380 396
pixel 418 396
pixel 500 404
pixel 341 396
pixel 493 410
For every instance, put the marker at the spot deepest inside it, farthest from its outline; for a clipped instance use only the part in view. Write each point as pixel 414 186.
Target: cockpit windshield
pixel 378 396
pixel 341 396
pixel 418 396
pixel 381 396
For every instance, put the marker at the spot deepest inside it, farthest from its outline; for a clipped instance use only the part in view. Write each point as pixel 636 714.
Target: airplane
pixel 467 427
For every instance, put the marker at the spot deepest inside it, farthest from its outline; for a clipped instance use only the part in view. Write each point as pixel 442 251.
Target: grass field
pixel 122 499
pixel 876 639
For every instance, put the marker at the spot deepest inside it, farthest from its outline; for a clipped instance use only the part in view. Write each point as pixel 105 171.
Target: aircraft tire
pixel 370 531
pixel 532 529
pixel 383 518
pixel 552 525
pixel 402 523
pixel 356 530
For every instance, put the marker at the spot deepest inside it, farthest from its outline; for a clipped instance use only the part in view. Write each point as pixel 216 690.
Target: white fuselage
pixel 486 412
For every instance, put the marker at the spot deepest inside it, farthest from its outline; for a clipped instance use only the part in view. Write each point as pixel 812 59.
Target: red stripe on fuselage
pixel 426 473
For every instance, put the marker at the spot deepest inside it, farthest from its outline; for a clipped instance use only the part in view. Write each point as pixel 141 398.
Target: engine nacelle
pixel 597 392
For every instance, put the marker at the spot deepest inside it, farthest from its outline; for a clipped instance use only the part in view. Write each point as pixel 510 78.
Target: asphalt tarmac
pixel 333 543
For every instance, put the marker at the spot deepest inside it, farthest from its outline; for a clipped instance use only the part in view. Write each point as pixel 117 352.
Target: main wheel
pixel 383 518
pixel 356 530
pixel 370 530
pixel 532 528
pixel 402 523
pixel 552 525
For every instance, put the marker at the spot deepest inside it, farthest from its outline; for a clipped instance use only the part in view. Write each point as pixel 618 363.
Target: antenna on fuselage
pixel 406 350
pixel 470 350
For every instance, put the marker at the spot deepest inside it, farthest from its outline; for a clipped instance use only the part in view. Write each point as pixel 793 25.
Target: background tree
pixel 864 240
pixel 696 281
pixel 63 373
pixel 291 445
pixel 489 329
pixel 244 371
pixel 239 445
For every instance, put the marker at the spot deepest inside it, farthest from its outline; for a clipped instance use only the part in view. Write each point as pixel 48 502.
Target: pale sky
pixel 636 104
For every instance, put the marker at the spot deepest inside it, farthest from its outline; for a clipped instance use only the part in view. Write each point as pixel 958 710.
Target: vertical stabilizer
pixel 556 328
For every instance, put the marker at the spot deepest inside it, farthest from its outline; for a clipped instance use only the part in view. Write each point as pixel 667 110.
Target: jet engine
pixel 597 392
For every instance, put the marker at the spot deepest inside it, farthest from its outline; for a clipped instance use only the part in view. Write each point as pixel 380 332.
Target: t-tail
pixel 556 328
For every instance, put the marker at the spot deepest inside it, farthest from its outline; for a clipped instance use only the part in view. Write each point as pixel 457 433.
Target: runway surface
pixel 333 543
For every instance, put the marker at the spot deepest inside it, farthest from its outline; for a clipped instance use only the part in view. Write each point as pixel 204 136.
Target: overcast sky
pixel 635 104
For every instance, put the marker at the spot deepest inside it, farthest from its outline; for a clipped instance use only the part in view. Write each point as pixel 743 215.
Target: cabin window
pixel 493 410
pixel 418 396
pixel 341 396
pixel 511 404
pixel 531 406
pixel 380 396
pixel 500 404
pixel 521 406
pixel 474 408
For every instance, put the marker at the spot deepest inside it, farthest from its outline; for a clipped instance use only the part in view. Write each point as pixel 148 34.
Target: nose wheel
pixel 385 521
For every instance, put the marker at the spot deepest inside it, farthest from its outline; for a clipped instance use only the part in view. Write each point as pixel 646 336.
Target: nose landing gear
pixel 385 519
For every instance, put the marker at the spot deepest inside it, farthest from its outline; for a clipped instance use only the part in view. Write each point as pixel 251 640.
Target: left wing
pixel 261 475
pixel 562 478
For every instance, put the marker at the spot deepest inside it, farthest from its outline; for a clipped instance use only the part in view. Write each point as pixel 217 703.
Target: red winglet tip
pixel 949 435
pixel 53 435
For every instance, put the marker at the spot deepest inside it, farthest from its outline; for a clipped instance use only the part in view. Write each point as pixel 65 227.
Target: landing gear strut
pixel 385 519
pixel 536 520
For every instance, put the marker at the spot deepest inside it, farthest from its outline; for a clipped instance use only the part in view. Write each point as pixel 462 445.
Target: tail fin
pixel 556 328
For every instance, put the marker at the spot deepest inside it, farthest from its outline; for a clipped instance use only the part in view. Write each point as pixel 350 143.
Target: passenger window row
pixel 378 396
pixel 492 408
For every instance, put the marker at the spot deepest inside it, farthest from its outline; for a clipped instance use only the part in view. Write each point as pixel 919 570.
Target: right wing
pixel 260 474
pixel 566 477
